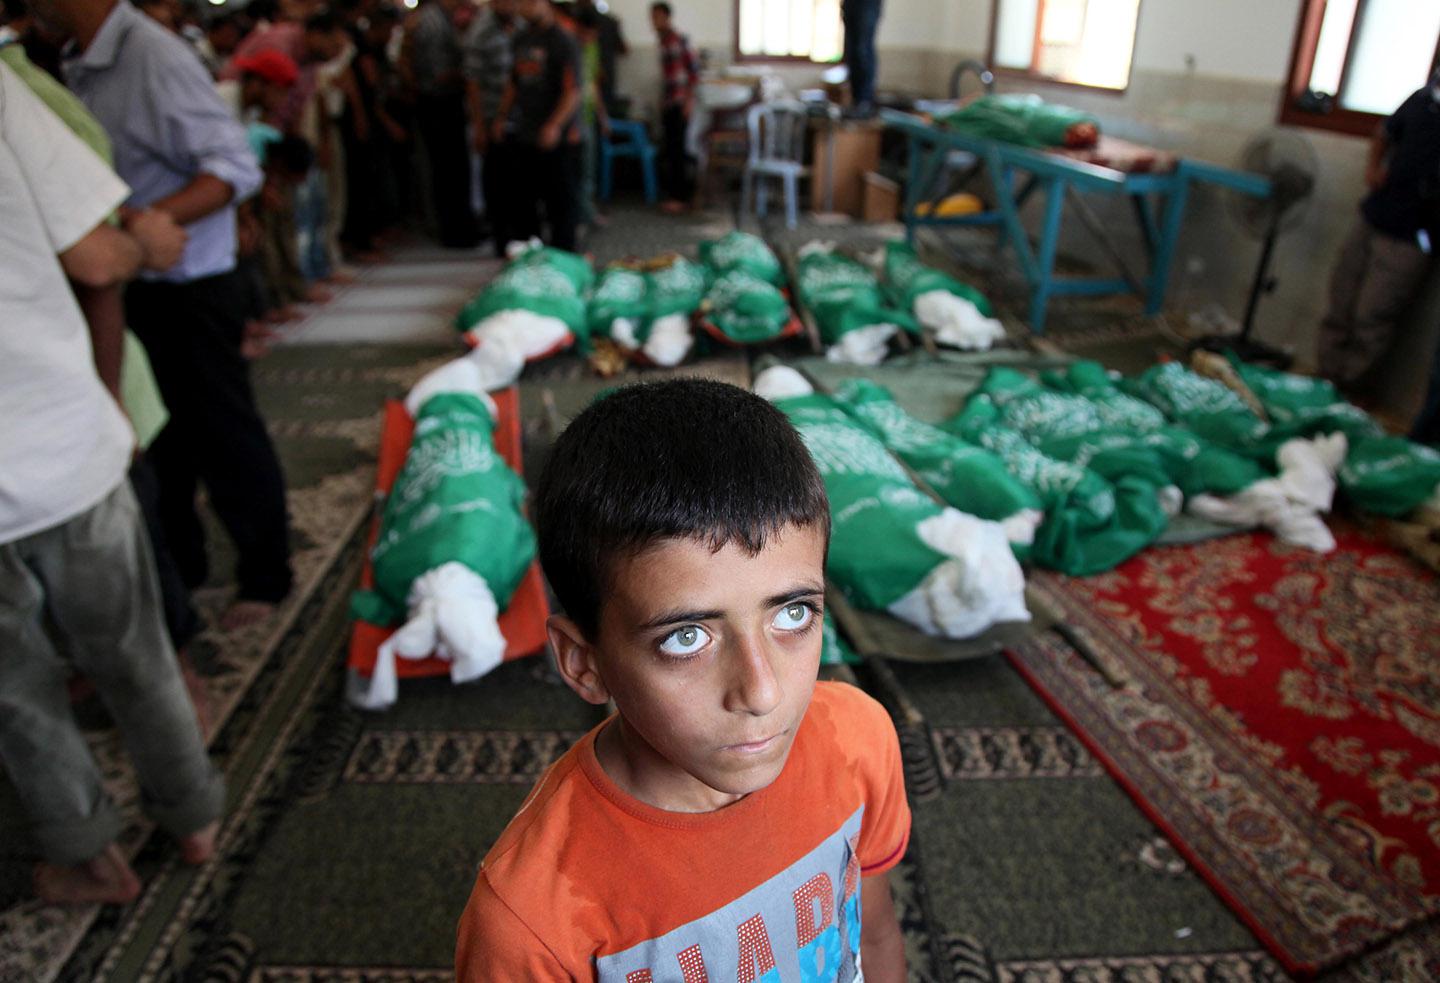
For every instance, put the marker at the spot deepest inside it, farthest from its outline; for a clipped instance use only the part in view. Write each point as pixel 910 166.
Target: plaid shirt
pixel 678 69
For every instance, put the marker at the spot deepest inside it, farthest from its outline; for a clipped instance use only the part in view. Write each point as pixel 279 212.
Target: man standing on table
pixel 182 152
pixel 862 20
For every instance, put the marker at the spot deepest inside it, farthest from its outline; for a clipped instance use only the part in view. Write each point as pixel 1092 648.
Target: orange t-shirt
pixel 589 883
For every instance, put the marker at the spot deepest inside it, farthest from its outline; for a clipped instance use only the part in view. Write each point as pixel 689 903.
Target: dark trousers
pixel 862 20
pixel 675 158
pixel 550 178
pixel 497 180
pixel 362 193
pixel 441 122
pixel 1374 282
pixel 192 333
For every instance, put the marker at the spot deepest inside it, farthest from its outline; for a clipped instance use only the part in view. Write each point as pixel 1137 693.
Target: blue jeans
pixel 862 20
pixel 311 208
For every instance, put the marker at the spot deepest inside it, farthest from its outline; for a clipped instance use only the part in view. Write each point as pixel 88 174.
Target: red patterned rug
pixel 1281 723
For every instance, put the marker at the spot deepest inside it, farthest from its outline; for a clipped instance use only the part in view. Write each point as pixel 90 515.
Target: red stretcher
pixel 522 623
pixel 793 328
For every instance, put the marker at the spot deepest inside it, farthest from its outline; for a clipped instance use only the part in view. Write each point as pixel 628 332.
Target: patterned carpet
pixel 1280 720
pixel 352 838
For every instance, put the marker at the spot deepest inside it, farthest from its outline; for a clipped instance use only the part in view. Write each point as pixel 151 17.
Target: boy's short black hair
pixel 663 7
pixel 680 459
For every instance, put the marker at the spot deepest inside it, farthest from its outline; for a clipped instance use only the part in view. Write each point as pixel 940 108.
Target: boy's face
pixel 711 659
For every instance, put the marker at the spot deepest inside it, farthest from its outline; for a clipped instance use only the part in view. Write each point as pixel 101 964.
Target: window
pixel 1080 42
pixel 1355 61
pixel 806 30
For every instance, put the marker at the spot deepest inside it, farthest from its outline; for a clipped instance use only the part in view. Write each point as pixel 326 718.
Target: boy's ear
pixel 575 659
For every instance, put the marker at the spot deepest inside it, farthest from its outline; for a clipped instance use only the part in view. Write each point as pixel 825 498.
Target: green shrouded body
pixel 843 296
pixel 876 555
pixel 454 501
pixel 1026 120
pixel 965 475
pixel 548 282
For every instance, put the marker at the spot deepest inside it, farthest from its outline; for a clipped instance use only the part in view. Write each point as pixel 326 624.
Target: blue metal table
pixel 1159 193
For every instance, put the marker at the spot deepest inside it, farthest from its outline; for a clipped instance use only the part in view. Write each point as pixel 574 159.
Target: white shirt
pixel 64 444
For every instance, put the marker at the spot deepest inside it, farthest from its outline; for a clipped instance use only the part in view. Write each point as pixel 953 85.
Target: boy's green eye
pixel 793 617
pixel 685 641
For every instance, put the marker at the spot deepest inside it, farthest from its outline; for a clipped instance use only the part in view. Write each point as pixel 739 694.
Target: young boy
pixel 734 818
pixel 536 125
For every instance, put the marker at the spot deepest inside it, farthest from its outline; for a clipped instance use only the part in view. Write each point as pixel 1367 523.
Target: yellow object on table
pixel 955 205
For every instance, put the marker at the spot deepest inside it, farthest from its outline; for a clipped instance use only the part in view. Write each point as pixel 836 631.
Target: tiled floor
pixel 411 299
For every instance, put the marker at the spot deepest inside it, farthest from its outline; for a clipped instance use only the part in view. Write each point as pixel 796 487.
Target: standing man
pixel 436 60
pixel 75 560
pixel 182 152
pixel 538 117
pixel 679 74
pixel 489 57
pixel 611 38
pixel 1383 263
pixel 861 19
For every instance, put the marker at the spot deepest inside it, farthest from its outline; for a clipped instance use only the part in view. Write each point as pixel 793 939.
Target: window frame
pixel 1351 122
pixel 738 57
pixel 1031 75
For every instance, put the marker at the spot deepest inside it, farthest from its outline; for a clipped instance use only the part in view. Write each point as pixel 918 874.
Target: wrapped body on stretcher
pixel 956 313
pixel 855 318
pixel 892 547
pixel 453 543
pixel 745 303
pixel 646 308
pixel 535 307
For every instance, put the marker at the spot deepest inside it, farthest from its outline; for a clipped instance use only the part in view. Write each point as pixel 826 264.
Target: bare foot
pixel 242 614
pixel 316 294
pixel 260 330
pixel 199 846
pixel 673 208
pixel 340 277
pixel 104 879
pixel 282 314
pixel 253 348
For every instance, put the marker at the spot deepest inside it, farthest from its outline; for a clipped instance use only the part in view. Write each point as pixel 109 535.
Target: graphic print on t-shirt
pixel 802 925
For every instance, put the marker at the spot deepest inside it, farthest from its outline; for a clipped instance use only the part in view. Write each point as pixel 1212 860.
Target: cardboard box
pixel 881 198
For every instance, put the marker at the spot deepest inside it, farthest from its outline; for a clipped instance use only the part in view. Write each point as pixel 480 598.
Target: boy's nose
pixel 753 687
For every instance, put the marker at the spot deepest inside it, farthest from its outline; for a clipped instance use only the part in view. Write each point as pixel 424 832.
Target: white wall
pixel 1243 39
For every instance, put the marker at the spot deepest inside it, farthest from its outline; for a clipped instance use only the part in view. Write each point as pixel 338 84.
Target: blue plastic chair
pixel 628 139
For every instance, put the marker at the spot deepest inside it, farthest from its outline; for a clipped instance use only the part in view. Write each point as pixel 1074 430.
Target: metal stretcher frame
pixel 1159 199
